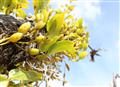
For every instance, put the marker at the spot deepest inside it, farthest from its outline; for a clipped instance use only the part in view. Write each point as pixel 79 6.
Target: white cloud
pixel 58 3
pixel 88 9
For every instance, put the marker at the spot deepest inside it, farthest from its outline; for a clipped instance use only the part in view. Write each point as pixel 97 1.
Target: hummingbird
pixel 93 53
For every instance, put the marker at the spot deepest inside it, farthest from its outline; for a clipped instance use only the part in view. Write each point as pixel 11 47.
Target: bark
pixel 10 54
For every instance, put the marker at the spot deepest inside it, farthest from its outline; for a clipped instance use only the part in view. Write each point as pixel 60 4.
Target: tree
pixel 33 46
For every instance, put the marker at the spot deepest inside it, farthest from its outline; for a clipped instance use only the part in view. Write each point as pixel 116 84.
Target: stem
pixel 24 43
pixel 3 40
pixel 19 47
pixel 4 43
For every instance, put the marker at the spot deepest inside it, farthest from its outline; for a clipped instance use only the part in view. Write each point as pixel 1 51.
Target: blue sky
pixel 102 20
pixel 104 32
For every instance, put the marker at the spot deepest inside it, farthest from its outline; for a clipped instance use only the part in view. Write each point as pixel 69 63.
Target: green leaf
pixel 3 81
pixel 1 5
pixel 70 17
pixel 21 13
pixel 45 13
pixel 43 3
pixel 84 46
pixel 40 4
pixel 6 3
pixel 16 74
pixel 49 42
pixel 54 24
pixel 41 57
pixel 14 2
pixel 60 46
pixel 79 22
pixel 3 77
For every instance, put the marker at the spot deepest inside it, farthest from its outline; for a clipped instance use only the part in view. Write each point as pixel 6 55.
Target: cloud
pixel 57 3
pixel 88 9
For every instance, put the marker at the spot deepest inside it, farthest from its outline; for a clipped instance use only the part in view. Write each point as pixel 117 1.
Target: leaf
pixel 40 4
pixel 3 77
pixel 70 17
pixel 6 3
pixel 41 57
pixel 21 13
pixel 16 74
pixel 23 3
pixel 79 22
pixel 84 46
pixel 8 6
pixel 49 42
pixel 61 46
pixel 14 2
pixel 54 24
pixel 1 5
pixel 3 81
pixel 70 7
pixel 45 13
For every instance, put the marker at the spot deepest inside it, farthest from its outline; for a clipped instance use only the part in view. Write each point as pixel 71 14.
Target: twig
pixel 37 69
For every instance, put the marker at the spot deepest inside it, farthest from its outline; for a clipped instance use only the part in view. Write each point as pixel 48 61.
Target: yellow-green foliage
pixel 64 36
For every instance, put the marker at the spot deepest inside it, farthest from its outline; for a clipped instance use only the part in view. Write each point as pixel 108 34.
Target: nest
pixel 10 54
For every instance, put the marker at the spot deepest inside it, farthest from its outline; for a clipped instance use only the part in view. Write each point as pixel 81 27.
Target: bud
pixel 79 31
pixel 41 57
pixel 57 59
pixel 15 37
pixel 38 39
pixel 39 17
pixel 40 25
pixel 33 51
pixel 85 46
pixel 24 28
pixel 83 54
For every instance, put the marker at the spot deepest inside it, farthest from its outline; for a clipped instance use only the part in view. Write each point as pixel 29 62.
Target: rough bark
pixel 10 54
